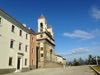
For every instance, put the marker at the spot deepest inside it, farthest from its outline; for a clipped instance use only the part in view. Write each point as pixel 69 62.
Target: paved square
pixel 73 70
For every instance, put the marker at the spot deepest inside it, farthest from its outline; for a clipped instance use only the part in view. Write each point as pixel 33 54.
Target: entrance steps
pixel 53 65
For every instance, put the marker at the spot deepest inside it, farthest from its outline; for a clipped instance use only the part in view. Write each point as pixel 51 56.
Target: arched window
pixel 51 51
pixel 41 25
pixel 41 36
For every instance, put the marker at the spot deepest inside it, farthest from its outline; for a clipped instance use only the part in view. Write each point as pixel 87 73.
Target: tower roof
pixel 49 27
pixel 41 17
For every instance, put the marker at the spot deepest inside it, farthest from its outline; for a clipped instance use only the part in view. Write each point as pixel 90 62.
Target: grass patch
pixel 97 68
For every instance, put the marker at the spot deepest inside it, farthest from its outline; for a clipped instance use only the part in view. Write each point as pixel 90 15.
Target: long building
pixel 60 59
pixel 14 44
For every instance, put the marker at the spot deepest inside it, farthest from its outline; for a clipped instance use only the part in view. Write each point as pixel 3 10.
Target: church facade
pixel 46 45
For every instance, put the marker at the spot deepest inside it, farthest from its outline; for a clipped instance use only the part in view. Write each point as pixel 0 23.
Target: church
pixel 22 49
pixel 46 45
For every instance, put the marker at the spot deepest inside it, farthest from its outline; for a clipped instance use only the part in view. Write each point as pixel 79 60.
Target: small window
pixel 26 36
pixel 32 39
pixel 10 61
pixel 25 61
pixel 26 48
pixel 32 50
pixel 41 55
pixel 0 20
pixel 11 43
pixel 41 25
pixel 41 48
pixel 41 36
pixel 12 29
pixel 20 46
pixel 20 33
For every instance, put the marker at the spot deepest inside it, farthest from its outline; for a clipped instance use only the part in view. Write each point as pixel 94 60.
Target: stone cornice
pixel 46 40
pixel 47 34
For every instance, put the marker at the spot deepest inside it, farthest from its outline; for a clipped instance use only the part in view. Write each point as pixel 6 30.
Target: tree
pixel 90 60
pixel 75 62
pixel 86 61
pixel 81 61
pixel 70 63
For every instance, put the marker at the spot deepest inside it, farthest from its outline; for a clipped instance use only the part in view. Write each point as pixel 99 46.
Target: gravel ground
pixel 75 70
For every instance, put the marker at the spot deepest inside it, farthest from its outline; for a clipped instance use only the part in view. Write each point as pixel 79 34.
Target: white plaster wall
pixel 6 51
pixel 59 59
pixel 44 24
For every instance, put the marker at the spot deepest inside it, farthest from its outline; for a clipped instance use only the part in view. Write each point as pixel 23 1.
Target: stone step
pixel 52 65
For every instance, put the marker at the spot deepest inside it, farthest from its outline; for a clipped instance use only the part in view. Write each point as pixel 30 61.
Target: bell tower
pixel 42 24
pixel 46 42
pixel 49 28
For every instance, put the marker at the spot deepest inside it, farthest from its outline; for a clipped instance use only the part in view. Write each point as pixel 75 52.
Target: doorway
pixel 51 55
pixel 18 63
pixel 37 57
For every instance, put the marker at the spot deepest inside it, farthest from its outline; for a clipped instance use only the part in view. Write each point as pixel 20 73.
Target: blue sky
pixel 76 23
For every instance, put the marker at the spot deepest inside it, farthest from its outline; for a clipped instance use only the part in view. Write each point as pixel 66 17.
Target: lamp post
pixel 97 60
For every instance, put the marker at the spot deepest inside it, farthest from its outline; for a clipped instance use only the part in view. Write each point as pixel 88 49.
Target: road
pixel 74 70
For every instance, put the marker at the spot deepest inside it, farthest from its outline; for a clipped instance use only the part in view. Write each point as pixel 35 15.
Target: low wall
pixel 25 69
pixel 32 67
pixel 5 71
pixel 95 70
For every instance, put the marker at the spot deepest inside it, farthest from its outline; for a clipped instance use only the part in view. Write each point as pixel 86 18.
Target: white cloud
pixel 83 34
pixel 79 51
pixel 96 13
pixel 79 34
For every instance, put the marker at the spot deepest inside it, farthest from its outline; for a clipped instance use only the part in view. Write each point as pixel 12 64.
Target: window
pixel 12 29
pixel 26 48
pixel 20 44
pixel 25 61
pixel 32 39
pixel 41 55
pixel 32 50
pixel 41 25
pixel 26 36
pixel 0 20
pixel 11 43
pixel 41 48
pixel 20 33
pixel 41 36
pixel 10 61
